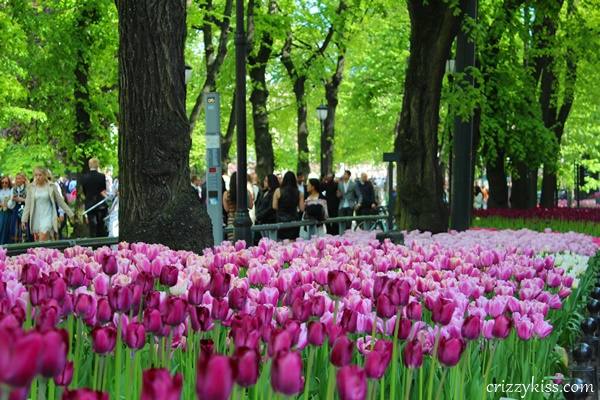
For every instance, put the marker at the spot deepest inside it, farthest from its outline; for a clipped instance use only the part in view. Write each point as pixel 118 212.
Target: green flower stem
pixel 421 379
pixel 78 346
pixel 394 355
pixel 95 377
pixel 330 382
pixel 408 383
pixel 433 366
pixel 168 351
pixel 487 371
pixel 129 375
pixel 382 389
pixel 51 389
pixel 311 356
pixel 117 371
pixel 441 385
pixel 42 389
pixel 374 332
pixel 33 390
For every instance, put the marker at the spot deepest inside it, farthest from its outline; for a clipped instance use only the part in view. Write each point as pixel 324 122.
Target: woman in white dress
pixel 40 206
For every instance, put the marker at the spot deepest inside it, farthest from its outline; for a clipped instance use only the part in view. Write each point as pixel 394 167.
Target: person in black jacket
pixel 330 187
pixel 368 205
pixel 265 214
pixel 94 190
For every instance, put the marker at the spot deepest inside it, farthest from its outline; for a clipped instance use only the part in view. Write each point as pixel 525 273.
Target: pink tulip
pixel 168 275
pixel 246 363
pixel 377 361
pixel 524 328
pixel 450 350
pixel 341 352
pixel 120 298
pixel 385 308
pixel 152 321
pixel 64 377
pixel 159 384
pixel 135 336
pixel 219 284
pixel 413 311
pixel 412 355
pixel 195 293
pixel 502 325
pixel 399 292
pixel 54 356
pixel 211 369
pixel 352 383
pixel 286 373
pixel 104 339
pixel 58 289
pixel 281 340
pixel 442 311
pixel 104 313
pixel 75 277
pixel 220 309
pixel 26 360
pixel 175 311
pixel 316 333
pixel 199 318
pixel 109 265
pixel 471 328
pixel 338 282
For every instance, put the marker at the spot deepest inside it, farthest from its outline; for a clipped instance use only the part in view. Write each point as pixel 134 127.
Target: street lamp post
pixel 242 222
pixel 322 115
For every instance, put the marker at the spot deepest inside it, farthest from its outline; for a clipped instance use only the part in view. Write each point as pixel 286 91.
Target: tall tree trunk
pixel 157 203
pixel 524 187
pixel 420 179
pixel 257 65
pixel 496 174
pixel 301 114
pixel 86 17
pixel 332 88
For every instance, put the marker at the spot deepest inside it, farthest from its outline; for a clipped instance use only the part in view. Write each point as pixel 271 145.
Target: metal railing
pixel 361 220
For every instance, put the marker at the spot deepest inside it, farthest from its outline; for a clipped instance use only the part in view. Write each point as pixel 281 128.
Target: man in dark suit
pixel 350 199
pixel 94 190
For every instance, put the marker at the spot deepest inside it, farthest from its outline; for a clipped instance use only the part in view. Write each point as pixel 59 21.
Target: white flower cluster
pixel 573 264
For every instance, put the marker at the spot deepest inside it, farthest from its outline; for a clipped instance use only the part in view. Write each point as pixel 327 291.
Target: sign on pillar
pixel 214 191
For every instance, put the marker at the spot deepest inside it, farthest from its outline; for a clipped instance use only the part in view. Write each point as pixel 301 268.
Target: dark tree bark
pixel 332 88
pixel 86 17
pixel 555 117
pixel 524 187
pixel 496 174
pixel 257 66
pixel 158 205
pixel 420 179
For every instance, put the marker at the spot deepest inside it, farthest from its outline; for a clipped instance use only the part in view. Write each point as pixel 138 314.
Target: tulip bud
pixel 316 333
pixel 502 325
pixel 413 311
pixel 120 298
pixel 152 320
pixel 37 294
pixel 58 289
pixel 286 373
pixel 338 282
pixel 219 284
pixel 65 377
pixel 145 281
pixel 247 366
pixel 54 357
pixel 29 274
pixel 385 308
pixel 169 275
pixel 399 292
pixel 135 336
pixel 341 353
pixel 404 327
pixel 349 320
pixel 199 318
pixel 374 365
pixel 75 277
pixel 352 383
pixel 196 293
pixel 301 310
pixel 158 384
pixel 471 328
pixel 175 311
pixel 47 318
pixel 104 339
pixel 104 313
pixel 379 285
pixel 442 311
pixel 85 306
pixel 412 355
pixel 318 306
pixel 237 298
pixel 211 369
pixel 450 350
pixel 220 309
pixel 109 265
pixel 281 340
pixel 26 361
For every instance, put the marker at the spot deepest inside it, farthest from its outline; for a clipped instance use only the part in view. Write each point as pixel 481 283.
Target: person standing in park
pixel 265 214
pixel 230 201
pixel 330 188
pixel 350 198
pixel 6 209
pixel 368 204
pixel 40 207
pixel 19 193
pixel 287 201
pixel 315 208
pixel 94 190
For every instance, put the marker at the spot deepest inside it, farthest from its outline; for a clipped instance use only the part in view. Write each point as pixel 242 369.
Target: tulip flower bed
pixel 335 317
pixel 583 220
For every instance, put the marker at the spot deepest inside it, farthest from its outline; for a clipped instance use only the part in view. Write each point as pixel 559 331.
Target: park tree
pixel 434 25
pixel 157 203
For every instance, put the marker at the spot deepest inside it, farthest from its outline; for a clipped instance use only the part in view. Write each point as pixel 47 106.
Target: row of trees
pixel 379 66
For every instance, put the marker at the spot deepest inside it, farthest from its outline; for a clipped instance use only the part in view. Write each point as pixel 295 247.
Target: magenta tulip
pixel 316 333
pixel 58 289
pixel 352 383
pixel 54 356
pixel 317 306
pixel 286 373
pixel 399 292
pixel 199 318
pixel 281 340
pixel 212 369
pixel 85 306
pixel 152 320
pixel 341 353
pixel 104 339
pixel 37 294
pixel 109 265
pixel 104 313
pixel 64 377
pixel 246 363
pixel 135 336
pixel 471 328
pixel 442 311
pixel 379 284
pixel 145 281
pixel 169 275
pixel 84 394
pixel 18 394
pixel 29 274
pixel 412 356
pixel 159 384
pixel 349 320
pixel 196 293
pixel 338 282
pixel 120 298
pixel 175 311
pixel 237 298
pixel 46 318
pixel 404 328
pixel 502 325
pixel 219 284
pixel 450 350
pixel 75 277
pixel 26 360
pixel 414 311
pixel 374 365
pixel 385 308
pixel 220 309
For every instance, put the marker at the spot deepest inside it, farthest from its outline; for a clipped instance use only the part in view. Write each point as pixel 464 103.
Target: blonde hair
pixel 43 170
pixel 22 175
pixel 94 163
